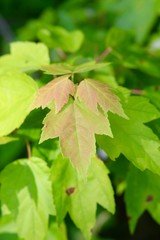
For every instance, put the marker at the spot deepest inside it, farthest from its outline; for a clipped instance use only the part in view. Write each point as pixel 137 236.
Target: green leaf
pixel 59 90
pixel 56 232
pixel 17 91
pixel 58 37
pixel 8 228
pixel 30 128
pixel 142 193
pixel 26 195
pixel 155 126
pixel 64 68
pixel 132 138
pixel 9 236
pixel 57 69
pixel 25 56
pixel 80 196
pixel 141 110
pixel 11 151
pixel 153 94
pixel 7 224
pixel 48 150
pixel 75 126
pixel 89 66
pixel 75 40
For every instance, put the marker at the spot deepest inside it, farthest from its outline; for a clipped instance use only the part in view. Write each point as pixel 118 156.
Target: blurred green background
pixel 84 28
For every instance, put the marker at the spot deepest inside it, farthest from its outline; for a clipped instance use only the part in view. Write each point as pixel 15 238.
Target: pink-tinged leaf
pixel 58 90
pixel 94 93
pixel 75 126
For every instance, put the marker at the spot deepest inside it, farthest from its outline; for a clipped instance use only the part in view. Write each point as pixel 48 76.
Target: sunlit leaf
pixel 7 224
pixel 132 138
pixel 57 232
pixel 25 56
pixel 64 68
pixel 7 139
pixel 72 194
pixel 28 198
pixel 89 66
pixel 17 91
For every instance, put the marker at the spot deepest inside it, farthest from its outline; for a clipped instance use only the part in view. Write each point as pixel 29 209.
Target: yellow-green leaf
pixel 64 68
pixel 26 196
pixel 132 138
pixel 25 56
pixel 80 196
pixel 17 91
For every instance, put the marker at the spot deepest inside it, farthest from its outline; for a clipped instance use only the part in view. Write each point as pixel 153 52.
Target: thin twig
pixel 28 149
pixel 104 54
pixel 61 53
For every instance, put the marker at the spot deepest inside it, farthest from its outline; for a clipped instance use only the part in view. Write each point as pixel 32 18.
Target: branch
pixel 104 54
pixel 28 149
pixel 61 53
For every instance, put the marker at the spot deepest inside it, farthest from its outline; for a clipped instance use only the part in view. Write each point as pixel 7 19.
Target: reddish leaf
pixel 59 89
pixel 93 92
pixel 75 126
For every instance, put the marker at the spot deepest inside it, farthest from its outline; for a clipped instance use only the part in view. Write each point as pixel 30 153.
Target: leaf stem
pixel 28 146
pixel 72 77
pixel 61 53
pixel 104 54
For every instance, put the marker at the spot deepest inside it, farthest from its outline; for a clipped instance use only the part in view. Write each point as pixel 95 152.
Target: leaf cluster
pixel 63 105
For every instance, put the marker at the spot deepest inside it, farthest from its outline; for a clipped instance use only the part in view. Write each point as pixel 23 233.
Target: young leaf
pixel 26 195
pixel 94 93
pixel 57 69
pixel 59 89
pixel 142 193
pixel 132 138
pixel 17 91
pixel 75 126
pixel 89 66
pixel 72 194
pixel 63 68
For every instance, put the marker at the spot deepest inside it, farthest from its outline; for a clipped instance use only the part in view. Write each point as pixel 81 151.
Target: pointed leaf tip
pixel 58 90
pixel 95 189
pixel 94 93
pixel 75 126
